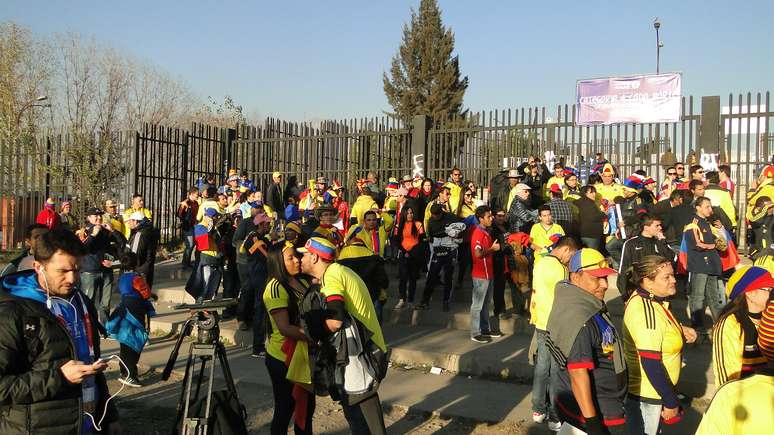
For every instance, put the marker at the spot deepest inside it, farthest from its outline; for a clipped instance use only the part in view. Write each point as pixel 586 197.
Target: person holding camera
pixel 96 274
pixel 51 375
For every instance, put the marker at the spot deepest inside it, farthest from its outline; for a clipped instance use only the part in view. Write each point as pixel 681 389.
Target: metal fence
pixel 166 161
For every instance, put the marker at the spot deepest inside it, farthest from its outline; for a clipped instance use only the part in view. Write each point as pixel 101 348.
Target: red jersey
pixel 482 267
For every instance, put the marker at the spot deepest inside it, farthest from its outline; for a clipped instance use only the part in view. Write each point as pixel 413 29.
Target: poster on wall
pixel 642 98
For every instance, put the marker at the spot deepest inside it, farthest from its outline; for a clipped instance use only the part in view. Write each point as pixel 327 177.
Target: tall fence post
pixel 709 126
pixel 419 135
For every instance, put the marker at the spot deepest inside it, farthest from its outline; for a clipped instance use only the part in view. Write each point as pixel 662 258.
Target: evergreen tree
pixel 425 76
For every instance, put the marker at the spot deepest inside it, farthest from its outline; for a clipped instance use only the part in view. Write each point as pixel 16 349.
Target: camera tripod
pixel 206 348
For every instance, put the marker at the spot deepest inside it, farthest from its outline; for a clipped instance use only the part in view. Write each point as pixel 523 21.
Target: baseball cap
pixel 555 188
pixel 590 261
pixel 522 186
pixel 746 279
pixel 93 211
pixel 293 226
pixel 276 174
pixel 232 178
pixel 322 180
pixel 766 332
pixel 138 216
pixel 319 246
pixel 406 178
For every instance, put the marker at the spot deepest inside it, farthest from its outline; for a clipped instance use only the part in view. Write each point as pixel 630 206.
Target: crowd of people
pixel 309 271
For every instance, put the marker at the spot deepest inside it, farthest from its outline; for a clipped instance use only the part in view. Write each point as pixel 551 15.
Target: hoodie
pixel 71 313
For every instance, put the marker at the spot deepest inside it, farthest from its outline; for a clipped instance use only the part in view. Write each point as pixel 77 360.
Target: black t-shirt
pixel 608 388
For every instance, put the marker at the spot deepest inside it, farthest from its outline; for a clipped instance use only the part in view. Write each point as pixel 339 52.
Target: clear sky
pixel 324 59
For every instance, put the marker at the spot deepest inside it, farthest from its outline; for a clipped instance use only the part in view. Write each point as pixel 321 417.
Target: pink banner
pixel 645 98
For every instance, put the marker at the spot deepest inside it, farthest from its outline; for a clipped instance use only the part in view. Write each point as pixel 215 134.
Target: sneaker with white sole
pixel 554 426
pixel 400 305
pixel 538 417
pixel 130 381
pixel 482 338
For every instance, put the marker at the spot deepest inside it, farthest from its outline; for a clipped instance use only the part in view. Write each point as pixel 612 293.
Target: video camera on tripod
pixel 221 408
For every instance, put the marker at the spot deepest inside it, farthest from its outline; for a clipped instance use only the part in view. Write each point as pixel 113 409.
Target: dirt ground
pixel 151 410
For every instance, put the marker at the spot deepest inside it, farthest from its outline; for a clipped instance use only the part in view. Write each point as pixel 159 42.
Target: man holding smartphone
pixel 50 376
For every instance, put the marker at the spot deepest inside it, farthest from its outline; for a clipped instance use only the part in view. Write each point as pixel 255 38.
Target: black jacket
pixel 700 260
pixel 275 200
pixel 590 218
pixel 95 248
pixel 678 218
pixel 634 250
pixel 143 242
pixel 34 395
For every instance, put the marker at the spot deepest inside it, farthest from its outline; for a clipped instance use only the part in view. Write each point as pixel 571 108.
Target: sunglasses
pixel 467 195
pixel 680 168
pixel 671 173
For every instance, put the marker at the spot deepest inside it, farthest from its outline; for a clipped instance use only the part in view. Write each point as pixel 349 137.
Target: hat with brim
pixel 522 186
pixel 555 188
pixel 94 211
pixel 406 178
pixel 513 173
pixel 320 247
pixel 590 261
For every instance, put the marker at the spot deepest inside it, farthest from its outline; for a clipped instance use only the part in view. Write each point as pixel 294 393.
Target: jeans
pixel 437 264
pixel 211 270
pixel 479 307
pixel 642 418
pixel 188 240
pixel 284 404
pixel 249 286
pixel 545 368
pixel 704 288
pixel 591 242
pixel 98 286
pixel 365 418
pixel 615 249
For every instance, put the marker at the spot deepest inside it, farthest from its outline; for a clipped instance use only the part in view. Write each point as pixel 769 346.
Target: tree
pixel 225 115
pixel 425 76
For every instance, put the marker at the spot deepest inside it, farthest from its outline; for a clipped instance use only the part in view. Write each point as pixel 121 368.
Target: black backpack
pixel 227 416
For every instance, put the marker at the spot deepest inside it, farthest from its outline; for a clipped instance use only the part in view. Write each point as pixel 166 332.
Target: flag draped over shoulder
pixel 729 257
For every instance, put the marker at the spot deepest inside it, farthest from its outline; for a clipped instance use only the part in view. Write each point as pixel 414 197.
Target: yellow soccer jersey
pixel 340 282
pixel 275 297
pixel 541 237
pixel 742 406
pixel 650 331
pixel 547 273
pixel 610 192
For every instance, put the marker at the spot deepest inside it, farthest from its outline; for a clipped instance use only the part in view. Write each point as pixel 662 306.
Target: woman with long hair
pixel 287 341
pixel 408 238
pixel 735 352
pixel 653 343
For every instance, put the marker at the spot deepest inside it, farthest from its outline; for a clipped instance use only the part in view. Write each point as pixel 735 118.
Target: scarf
pixel 577 307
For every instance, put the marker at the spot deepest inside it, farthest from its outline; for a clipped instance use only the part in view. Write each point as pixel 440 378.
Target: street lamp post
pixel 659 44
pixel 29 104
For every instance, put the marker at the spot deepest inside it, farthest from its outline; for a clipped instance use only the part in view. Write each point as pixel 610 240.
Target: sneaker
pixel 495 333
pixel 130 381
pixel 420 307
pixel 259 354
pixel 481 338
pixel 399 305
pixel 538 417
pixel 554 426
pixel 446 306
pixel 242 325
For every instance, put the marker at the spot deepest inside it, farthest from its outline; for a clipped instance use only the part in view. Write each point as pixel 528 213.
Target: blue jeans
pixel 704 288
pixel 188 240
pixel 211 270
pixel 479 307
pixel 545 368
pixel 642 418
pixel 98 286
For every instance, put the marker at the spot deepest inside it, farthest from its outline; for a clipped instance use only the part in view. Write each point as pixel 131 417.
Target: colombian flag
pixel 728 258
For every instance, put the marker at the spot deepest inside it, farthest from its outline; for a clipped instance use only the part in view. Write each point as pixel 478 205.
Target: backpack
pixel 227 416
